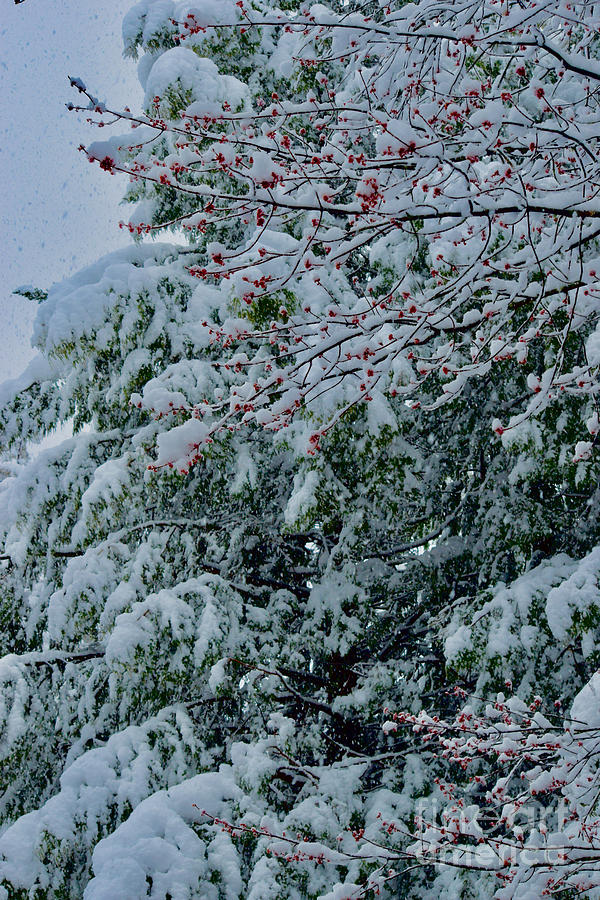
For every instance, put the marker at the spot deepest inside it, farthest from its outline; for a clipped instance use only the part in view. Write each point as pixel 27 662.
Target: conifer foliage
pixel 332 465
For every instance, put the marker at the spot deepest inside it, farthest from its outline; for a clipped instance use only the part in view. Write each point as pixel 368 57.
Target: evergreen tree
pixel 201 621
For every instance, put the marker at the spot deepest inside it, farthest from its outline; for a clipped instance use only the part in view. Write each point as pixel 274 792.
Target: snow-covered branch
pixel 421 211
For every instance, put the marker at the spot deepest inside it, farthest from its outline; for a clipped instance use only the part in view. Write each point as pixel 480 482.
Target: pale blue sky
pixel 57 212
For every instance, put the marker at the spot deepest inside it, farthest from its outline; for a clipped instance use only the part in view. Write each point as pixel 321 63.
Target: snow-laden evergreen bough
pixel 197 658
